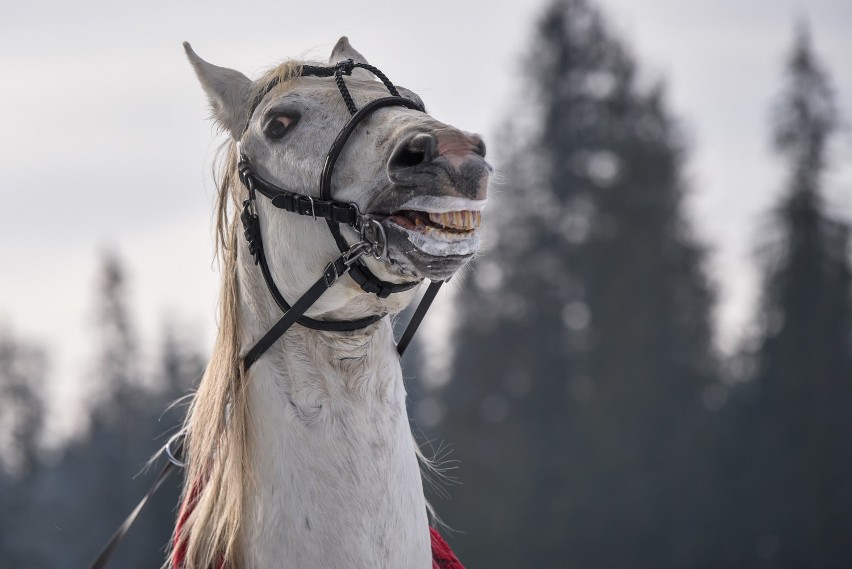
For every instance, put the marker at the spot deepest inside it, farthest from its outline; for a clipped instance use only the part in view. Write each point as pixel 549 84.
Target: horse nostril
pixel 419 149
pixel 408 157
pixel 480 147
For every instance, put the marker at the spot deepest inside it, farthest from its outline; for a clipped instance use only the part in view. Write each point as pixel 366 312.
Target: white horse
pixel 307 460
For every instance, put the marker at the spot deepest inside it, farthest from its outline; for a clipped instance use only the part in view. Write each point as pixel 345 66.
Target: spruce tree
pixel 104 469
pixel 585 346
pixel 22 416
pixel 801 506
pixel 75 502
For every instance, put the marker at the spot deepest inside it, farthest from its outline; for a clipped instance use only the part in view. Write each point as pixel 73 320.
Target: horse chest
pixel 338 486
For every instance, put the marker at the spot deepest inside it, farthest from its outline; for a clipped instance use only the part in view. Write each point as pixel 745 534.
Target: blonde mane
pixel 216 425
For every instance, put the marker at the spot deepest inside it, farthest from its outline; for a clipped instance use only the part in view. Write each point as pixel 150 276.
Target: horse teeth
pixel 463 220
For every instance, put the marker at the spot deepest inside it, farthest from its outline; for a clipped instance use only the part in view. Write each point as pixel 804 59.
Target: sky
pixel 107 145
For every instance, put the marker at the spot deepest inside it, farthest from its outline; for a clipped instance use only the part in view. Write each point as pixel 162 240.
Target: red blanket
pixel 442 556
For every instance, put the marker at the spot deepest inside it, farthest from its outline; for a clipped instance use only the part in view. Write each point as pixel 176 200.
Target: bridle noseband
pixel 372 238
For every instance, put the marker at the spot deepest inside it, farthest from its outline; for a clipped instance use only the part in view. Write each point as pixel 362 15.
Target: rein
pixel 372 240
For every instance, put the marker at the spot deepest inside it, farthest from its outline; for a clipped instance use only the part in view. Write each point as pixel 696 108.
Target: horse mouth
pixel 448 225
pixel 439 234
pixel 430 235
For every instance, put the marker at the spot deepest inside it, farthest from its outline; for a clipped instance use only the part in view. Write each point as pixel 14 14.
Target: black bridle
pixel 368 228
pixel 372 240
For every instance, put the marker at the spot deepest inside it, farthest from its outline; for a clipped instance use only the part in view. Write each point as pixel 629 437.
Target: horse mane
pixel 216 424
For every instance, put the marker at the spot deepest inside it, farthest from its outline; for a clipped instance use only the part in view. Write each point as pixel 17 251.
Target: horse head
pixel 425 182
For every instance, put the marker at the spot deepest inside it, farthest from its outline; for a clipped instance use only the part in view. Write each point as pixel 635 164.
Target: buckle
pixel 355 252
pixel 346 66
pixel 331 274
pixel 313 211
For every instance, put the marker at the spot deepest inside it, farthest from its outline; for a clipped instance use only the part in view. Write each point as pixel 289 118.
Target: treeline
pixel 58 508
pixel 593 424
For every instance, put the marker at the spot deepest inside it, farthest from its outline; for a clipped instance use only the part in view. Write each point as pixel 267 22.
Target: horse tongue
pixel 402 220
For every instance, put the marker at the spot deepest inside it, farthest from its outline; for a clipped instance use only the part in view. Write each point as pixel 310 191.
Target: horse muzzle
pixel 444 162
pixel 434 210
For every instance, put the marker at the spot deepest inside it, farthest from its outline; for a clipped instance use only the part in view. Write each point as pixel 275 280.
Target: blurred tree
pixel 578 402
pixel 22 381
pixel 798 482
pixel 98 481
pixel 181 365
pixel 117 445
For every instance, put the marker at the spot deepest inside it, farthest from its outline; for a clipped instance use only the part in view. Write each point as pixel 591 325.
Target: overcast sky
pixel 106 143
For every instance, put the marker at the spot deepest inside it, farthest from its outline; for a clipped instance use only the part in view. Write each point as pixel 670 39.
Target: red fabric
pixel 179 548
pixel 442 556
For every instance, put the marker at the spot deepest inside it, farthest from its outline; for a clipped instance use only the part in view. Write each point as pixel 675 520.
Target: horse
pixel 302 456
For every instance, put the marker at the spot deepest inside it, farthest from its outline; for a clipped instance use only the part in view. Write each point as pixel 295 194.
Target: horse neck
pixel 336 482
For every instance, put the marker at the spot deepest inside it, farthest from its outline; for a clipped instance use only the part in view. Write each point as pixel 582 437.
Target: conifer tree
pixel 22 415
pixel 116 374
pixel 585 347
pixel 104 470
pixel 60 513
pixel 800 475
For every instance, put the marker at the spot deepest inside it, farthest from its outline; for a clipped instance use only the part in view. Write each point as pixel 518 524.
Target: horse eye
pixel 279 126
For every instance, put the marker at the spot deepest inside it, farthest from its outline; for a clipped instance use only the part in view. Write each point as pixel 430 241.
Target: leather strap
pixel 103 557
pixel 251 225
pixel 337 148
pixel 418 315
pixel 301 204
pixel 333 212
pixel 333 271
pixel 348 129
pixel 369 283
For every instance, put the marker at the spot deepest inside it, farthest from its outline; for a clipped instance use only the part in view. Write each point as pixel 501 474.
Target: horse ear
pixel 342 50
pixel 229 92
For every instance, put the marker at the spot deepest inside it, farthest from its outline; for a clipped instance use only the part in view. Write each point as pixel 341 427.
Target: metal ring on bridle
pixel 167 448
pixel 357 251
pixel 372 231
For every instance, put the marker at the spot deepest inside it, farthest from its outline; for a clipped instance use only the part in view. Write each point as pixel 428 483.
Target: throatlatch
pixel 372 241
